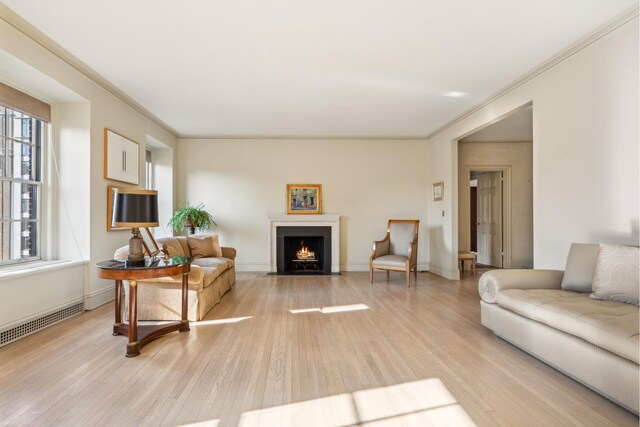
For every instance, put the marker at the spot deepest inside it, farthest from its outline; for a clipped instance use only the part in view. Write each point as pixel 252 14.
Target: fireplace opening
pixel 304 250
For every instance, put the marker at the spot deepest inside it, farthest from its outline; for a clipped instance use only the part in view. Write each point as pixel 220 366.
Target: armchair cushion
pixel 400 237
pixel 380 248
pixel 390 261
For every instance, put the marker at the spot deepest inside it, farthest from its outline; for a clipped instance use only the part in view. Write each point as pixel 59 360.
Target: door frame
pixel 506 203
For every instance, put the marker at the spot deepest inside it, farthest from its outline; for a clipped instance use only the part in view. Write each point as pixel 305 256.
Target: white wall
pixel 105 110
pixel 32 295
pixel 163 162
pixel 519 157
pixel 585 153
pixel 69 181
pixel 368 182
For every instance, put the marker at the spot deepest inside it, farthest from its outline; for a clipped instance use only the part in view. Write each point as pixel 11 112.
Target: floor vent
pixel 35 325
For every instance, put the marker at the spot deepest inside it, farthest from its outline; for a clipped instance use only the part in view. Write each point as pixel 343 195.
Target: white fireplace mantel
pixel 324 220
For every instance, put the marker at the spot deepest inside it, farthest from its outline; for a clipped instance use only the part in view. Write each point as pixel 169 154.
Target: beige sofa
pixel 209 280
pixel 594 342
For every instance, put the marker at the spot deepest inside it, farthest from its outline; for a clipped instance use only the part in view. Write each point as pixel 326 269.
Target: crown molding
pixel 47 43
pixel 567 53
pixel 20 24
pixel 304 137
pixel 480 141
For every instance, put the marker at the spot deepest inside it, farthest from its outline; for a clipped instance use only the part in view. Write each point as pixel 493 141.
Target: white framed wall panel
pixel 121 158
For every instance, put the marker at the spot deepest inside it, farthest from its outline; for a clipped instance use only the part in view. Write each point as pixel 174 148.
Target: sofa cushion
pixel 185 246
pixel 390 261
pixel 609 325
pixel 204 245
pixel 616 274
pixel 581 263
pixel 173 246
pixel 212 273
pixel 195 280
pixel 495 281
pixel 213 262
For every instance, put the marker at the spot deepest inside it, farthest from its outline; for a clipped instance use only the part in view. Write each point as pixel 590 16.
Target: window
pixel 148 163
pixel 21 184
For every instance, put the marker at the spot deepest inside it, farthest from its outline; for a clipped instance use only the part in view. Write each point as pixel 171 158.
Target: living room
pixel 377 143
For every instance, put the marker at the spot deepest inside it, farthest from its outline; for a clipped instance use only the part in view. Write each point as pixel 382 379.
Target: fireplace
pixel 303 250
pixel 276 221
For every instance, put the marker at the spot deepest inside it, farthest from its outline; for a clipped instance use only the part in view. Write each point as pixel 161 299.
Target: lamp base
pixel 134 263
pixel 136 254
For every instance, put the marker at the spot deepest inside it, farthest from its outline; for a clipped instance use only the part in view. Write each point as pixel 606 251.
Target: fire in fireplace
pixel 304 250
pixel 304 253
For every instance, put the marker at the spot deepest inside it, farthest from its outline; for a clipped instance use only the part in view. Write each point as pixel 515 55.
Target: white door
pixel 490 218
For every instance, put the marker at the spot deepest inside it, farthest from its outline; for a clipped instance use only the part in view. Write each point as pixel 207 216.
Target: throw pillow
pixel 581 263
pixel 204 246
pixel 616 274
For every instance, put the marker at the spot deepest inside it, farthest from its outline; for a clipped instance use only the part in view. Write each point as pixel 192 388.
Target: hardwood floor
pixel 414 356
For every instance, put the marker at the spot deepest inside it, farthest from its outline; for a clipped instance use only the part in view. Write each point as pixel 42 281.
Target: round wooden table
pixel 141 335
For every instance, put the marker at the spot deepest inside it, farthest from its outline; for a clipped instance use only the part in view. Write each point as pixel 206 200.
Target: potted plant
pixel 191 218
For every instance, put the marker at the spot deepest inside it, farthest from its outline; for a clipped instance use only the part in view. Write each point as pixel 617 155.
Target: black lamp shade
pixel 135 208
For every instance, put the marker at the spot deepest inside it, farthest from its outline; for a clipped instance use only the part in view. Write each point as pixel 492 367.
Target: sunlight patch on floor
pixel 419 403
pixel 209 423
pixel 220 321
pixel 332 309
pixel 327 411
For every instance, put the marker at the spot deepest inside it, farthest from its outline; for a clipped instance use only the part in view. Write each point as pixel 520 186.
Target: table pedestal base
pixel 148 333
pixel 140 335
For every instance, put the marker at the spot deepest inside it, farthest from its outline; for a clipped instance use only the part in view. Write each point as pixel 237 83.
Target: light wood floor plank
pixel 394 363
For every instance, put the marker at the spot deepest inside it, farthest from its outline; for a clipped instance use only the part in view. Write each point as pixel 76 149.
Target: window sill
pixel 35 267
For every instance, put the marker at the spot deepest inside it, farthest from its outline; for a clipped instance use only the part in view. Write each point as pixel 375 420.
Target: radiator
pixel 16 332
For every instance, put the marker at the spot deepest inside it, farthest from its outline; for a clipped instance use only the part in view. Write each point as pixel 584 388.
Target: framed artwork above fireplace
pixel 304 199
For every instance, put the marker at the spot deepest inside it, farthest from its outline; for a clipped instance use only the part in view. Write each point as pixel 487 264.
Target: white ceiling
pixel 280 68
pixel 27 79
pixel 516 127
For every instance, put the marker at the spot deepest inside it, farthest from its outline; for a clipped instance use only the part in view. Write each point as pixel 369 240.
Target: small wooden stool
pixel 464 256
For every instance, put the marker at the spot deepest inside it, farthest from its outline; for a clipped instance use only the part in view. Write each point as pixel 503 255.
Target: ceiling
pixel 516 127
pixel 33 82
pixel 360 68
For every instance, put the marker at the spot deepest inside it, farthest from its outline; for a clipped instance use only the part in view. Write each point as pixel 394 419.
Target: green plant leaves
pixel 198 217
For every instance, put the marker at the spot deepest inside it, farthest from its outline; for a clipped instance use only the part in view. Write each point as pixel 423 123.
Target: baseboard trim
pixel 447 273
pixel 364 266
pixel 98 298
pixel 249 266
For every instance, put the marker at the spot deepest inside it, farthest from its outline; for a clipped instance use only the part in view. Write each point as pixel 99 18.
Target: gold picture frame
pixel 111 189
pixel 304 199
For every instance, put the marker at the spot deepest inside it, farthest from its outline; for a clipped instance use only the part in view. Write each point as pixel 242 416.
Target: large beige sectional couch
pixel 593 341
pixel 210 278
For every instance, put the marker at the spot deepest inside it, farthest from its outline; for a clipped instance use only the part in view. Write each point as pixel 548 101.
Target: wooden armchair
pixel 398 251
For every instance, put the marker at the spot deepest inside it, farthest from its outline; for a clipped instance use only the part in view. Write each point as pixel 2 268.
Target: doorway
pixel 486 217
pixel 495 191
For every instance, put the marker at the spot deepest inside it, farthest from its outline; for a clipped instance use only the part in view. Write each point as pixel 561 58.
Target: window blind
pixel 24 103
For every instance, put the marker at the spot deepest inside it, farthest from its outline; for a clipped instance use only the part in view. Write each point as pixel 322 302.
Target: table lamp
pixel 135 208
